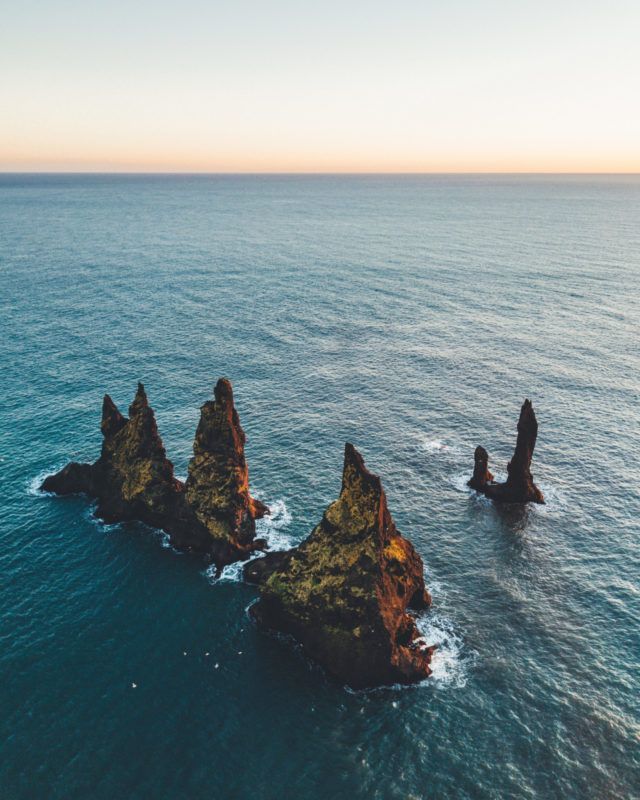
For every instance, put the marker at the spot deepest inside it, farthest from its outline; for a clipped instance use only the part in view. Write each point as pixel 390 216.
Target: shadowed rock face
pixel 344 592
pixel 133 479
pixel 481 475
pixel 519 486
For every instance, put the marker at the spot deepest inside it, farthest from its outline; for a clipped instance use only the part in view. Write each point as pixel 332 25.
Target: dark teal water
pixel 410 316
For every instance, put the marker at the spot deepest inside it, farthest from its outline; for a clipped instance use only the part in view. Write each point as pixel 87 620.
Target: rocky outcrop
pixel 217 487
pixel 481 475
pixel 344 592
pixel 213 514
pixel 519 486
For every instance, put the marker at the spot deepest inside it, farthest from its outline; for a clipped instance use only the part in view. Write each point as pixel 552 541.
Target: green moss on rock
pixel 133 478
pixel 344 592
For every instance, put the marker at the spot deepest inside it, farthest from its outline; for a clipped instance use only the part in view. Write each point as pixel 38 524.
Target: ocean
pixel 409 315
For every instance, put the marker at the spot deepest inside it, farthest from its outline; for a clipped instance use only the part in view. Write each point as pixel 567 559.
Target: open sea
pixel 408 315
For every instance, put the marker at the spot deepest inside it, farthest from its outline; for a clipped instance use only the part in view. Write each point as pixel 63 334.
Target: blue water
pixel 409 315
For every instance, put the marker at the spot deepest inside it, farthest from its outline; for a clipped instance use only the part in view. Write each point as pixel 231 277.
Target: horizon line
pixel 319 173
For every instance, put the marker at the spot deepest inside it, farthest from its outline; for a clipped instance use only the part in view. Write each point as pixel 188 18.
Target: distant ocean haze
pixel 408 315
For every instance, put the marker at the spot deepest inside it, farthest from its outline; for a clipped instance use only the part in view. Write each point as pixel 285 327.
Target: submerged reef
pixel 519 486
pixel 211 514
pixel 344 592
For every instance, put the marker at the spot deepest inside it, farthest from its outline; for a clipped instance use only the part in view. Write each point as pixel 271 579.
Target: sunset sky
pixel 249 86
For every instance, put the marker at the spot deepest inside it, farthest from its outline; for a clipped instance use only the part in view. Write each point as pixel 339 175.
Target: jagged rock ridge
pixel 212 514
pixel 519 486
pixel 344 592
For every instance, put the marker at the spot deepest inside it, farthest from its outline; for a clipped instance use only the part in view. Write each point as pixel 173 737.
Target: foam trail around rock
pixel 106 527
pixel 554 497
pixel 273 528
pixel 33 484
pixel 449 664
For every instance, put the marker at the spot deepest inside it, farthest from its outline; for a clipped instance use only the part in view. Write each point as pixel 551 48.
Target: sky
pixel 350 86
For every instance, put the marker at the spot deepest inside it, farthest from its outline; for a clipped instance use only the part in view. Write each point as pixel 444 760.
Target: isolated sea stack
pixel 133 479
pixel 519 486
pixel 344 592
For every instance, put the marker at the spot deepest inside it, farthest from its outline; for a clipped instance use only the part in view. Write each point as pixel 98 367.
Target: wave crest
pixel 449 663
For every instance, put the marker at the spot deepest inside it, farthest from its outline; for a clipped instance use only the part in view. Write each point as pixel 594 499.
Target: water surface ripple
pixel 410 316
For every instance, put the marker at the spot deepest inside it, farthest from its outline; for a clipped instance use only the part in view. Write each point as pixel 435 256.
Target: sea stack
pixel 481 475
pixel 133 480
pixel 344 592
pixel 217 487
pixel 519 486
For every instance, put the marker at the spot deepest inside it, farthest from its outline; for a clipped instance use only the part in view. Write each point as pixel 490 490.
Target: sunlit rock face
pixel 344 592
pixel 519 486
pixel 217 487
pixel 213 514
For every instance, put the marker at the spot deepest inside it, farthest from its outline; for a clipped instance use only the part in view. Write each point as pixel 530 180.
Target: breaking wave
pixel 273 528
pixel 33 484
pixel 449 663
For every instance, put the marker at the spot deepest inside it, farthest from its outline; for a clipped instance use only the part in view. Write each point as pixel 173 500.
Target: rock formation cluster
pixel 212 513
pixel 344 592
pixel 348 594
pixel 519 486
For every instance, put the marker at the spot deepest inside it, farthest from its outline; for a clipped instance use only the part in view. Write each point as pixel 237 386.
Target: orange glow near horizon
pixel 319 165
pixel 97 159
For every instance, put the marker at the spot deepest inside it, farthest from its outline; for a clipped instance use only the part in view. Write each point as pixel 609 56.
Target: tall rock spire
pixel 112 419
pixel 134 479
pixel 519 486
pixel 217 486
pixel 344 592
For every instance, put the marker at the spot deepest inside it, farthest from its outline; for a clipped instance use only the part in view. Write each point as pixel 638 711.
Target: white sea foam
pixel 435 445
pixel 449 663
pixel 33 484
pixel 110 527
pixel 232 572
pixel 554 499
pixel 434 586
pixel 459 482
pixel 105 527
pixel 165 540
pixel 441 446
pixel 272 528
